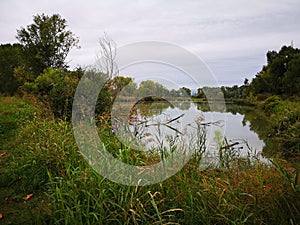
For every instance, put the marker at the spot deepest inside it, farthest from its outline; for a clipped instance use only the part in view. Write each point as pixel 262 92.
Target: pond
pixel 154 124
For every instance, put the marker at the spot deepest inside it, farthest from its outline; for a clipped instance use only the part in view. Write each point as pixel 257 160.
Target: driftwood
pixel 166 122
pixel 229 145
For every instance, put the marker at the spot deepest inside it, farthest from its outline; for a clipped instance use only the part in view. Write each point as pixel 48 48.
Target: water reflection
pixel 232 124
pixel 148 109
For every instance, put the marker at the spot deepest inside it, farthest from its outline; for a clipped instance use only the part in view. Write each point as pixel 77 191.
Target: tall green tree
pixel 46 43
pixel 281 74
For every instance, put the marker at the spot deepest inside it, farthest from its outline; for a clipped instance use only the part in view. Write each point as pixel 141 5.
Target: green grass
pixel 14 114
pixel 285 118
pixel 42 158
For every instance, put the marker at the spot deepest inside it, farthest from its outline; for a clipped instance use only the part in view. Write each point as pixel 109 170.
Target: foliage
pixel 270 103
pixel 232 92
pixel 291 78
pixel 276 121
pixel 56 89
pixel 236 91
pixel 46 43
pixel 281 75
pixel 9 60
pixel 287 127
pixel 151 88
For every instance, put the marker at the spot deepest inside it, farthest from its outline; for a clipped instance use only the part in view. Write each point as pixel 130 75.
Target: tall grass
pixel 44 160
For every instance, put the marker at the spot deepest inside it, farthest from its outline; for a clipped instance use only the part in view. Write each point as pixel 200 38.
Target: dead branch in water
pixel 229 146
pixel 166 122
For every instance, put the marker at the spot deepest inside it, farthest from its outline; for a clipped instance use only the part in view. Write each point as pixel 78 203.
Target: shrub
pixel 270 103
pixel 56 89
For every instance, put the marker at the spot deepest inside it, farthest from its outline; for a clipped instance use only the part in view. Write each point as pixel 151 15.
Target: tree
pixel 147 88
pixel 200 93
pixel 244 89
pixel 291 78
pixel 186 90
pixel 9 60
pixel 46 43
pixel 175 93
pixel 130 89
pixel 281 74
pixel 151 88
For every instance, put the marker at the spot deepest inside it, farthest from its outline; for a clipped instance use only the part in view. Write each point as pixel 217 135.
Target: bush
pixel 56 89
pixel 270 103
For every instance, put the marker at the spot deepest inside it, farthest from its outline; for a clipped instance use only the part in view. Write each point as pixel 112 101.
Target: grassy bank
pixel 276 121
pixel 39 156
pixel 284 116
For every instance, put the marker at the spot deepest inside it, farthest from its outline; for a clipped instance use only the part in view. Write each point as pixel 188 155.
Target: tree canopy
pixel 281 75
pixel 46 43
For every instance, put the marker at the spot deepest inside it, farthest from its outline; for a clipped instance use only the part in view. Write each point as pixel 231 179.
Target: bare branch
pixel 108 50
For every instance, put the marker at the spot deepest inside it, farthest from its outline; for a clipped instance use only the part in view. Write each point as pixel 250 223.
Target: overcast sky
pixel 230 36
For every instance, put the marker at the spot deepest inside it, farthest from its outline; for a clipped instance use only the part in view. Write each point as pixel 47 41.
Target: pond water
pixel 236 129
pixel 154 123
